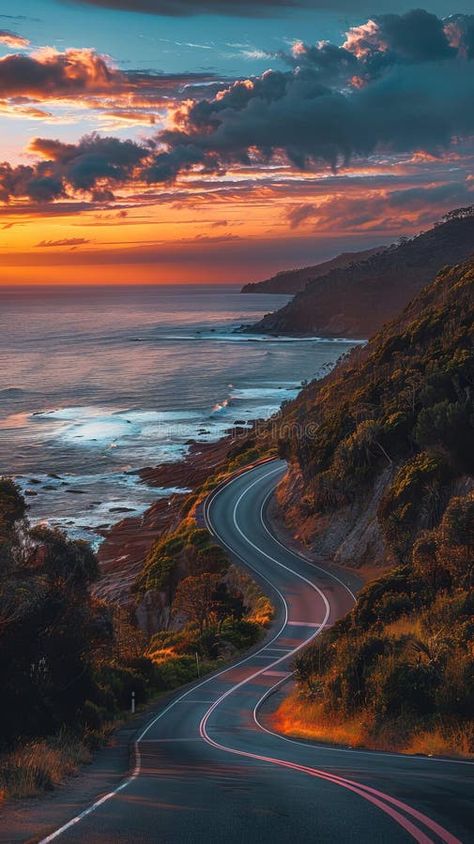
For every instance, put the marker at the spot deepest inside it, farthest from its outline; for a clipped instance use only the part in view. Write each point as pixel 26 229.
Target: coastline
pixel 126 544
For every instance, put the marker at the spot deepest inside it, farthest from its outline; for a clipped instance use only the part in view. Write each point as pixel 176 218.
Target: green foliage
pixel 406 689
pixel 404 656
pixel 51 629
pixel 405 399
pixel 12 507
pixel 241 634
pixel 395 423
pixel 414 500
pixel 188 549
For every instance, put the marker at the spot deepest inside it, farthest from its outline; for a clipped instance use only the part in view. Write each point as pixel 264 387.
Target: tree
pixel 427 562
pixel 195 597
pixel 50 626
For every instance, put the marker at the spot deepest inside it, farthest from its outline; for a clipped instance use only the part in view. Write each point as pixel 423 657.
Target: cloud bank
pixel 186 8
pixel 398 84
pixel 245 8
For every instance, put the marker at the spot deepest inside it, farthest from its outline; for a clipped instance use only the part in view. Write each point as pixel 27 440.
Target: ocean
pixel 97 382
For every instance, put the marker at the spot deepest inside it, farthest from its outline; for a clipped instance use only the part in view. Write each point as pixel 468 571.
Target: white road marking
pixel 284 674
pixel 303 624
pixel 136 772
pixel 172 740
pixel 373 796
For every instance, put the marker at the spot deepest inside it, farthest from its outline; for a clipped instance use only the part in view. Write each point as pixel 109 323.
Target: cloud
pixel 386 210
pixel 67 241
pixel 94 165
pixel 186 8
pixel 404 88
pixel 51 74
pixel 84 78
pixel 400 84
pixel 247 8
pixel 301 212
pixel 11 39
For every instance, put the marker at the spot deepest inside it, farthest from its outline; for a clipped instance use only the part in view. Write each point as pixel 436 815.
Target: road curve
pixel 207 769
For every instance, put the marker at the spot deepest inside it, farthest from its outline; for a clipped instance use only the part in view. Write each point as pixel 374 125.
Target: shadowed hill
pixel 394 423
pixel 293 281
pixel 356 301
pixel 382 473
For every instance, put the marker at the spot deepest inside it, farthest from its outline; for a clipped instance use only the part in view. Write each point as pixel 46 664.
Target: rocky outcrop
pixel 351 536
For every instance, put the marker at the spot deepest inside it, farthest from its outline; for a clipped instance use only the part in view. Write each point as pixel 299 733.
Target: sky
pixel 176 141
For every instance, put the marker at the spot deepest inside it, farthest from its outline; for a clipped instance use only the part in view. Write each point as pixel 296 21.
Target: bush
pixel 92 715
pixel 242 634
pixel 407 690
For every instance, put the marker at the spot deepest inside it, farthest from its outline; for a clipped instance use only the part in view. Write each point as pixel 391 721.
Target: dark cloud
pixel 249 8
pixel 94 165
pixel 185 8
pixel 54 74
pixel 399 84
pixel 417 36
pixel 50 74
pixel 67 241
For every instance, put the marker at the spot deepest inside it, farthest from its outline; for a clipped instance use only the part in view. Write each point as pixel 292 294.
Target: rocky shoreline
pixel 127 543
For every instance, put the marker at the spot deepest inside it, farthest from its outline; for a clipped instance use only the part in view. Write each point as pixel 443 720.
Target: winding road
pixel 207 767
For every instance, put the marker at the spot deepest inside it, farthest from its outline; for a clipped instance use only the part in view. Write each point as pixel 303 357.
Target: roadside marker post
pixel 133 703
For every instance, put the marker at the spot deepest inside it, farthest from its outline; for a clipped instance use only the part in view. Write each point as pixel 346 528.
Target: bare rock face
pixel 153 613
pixel 350 536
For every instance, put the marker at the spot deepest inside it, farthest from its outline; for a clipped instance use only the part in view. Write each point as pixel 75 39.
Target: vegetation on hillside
pixel 399 670
pixel 70 662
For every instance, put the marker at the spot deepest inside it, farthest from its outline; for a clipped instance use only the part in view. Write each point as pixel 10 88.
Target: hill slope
pixel 293 281
pixel 382 472
pixel 356 301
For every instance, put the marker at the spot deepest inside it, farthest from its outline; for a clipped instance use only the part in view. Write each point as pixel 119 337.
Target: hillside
pixel 356 301
pixel 382 474
pixel 293 281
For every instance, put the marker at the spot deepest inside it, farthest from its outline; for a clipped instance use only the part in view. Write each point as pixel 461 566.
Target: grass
pixel 297 717
pixel 301 718
pixel 407 625
pixel 41 765
pixel 454 741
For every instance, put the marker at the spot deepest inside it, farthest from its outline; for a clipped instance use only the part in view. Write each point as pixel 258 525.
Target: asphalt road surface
pixel 207 770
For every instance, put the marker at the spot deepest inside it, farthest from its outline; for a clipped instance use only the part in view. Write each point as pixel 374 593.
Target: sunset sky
pixel 212 140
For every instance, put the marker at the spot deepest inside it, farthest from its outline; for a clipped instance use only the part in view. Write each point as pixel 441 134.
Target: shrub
pixel 407 689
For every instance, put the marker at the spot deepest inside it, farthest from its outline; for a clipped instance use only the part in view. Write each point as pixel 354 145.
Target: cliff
pixel 293 281
pixel 357 300
pixel 382 473
pixel 377 448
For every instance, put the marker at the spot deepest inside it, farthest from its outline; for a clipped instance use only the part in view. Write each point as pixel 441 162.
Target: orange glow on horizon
pixel 205 230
